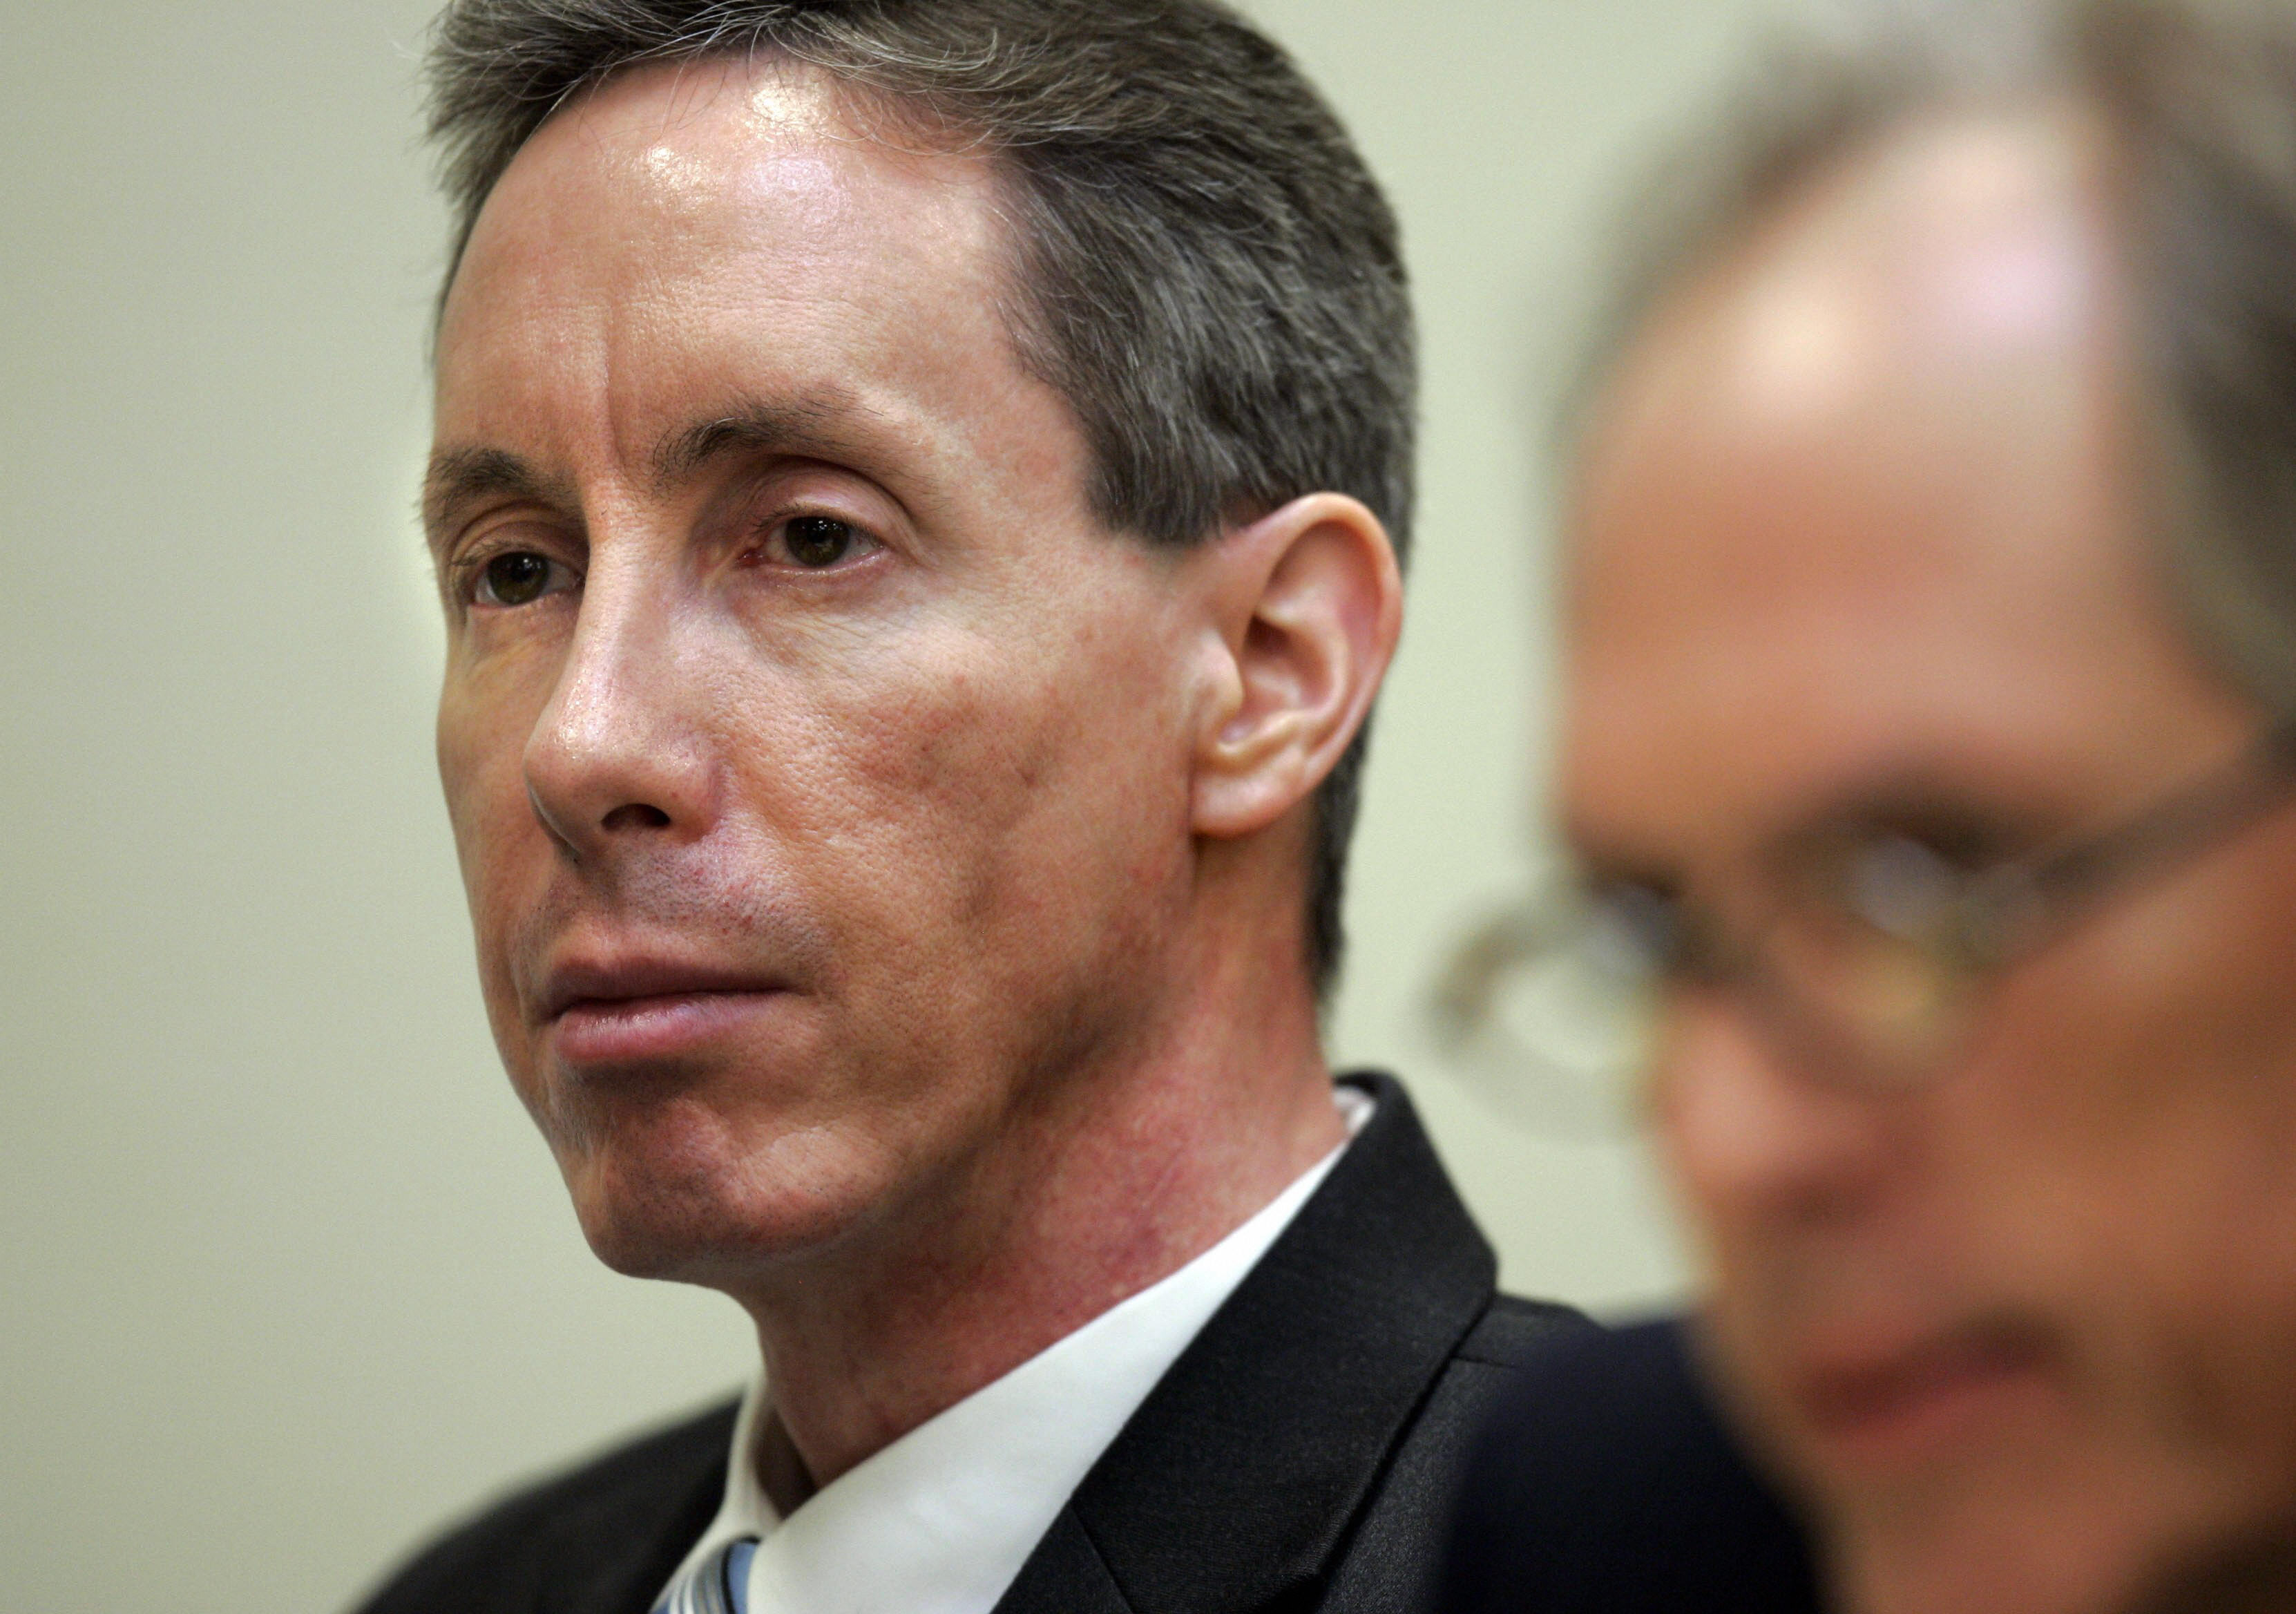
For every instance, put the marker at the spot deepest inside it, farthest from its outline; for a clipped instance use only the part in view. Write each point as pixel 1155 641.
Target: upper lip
pixel 619 980
pixel 1849 1387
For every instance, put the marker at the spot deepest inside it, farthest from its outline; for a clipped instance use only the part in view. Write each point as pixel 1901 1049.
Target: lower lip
pixel 1926 1407
pixel 624 1031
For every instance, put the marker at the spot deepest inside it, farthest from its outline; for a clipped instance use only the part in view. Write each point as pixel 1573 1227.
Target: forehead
pixel 695 234
pixel 1863 504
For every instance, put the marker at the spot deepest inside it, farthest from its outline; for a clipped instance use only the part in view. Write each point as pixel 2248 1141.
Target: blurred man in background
pixel 916 494
pixel 1930 757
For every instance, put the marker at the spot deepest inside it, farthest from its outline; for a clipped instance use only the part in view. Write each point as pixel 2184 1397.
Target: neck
pixel 1117 1177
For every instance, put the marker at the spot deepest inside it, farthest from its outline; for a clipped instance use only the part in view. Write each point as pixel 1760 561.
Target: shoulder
pixel 1513 1332
pixel 1394 1554
pixel 607 1520
pixel 1624 1401
pixel 1604 1480
pixel 1511 1337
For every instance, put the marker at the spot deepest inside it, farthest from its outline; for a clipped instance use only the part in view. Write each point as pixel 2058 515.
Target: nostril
pixel 637 815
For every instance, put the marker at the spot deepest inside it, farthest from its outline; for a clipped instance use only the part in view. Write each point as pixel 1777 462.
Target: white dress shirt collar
pixel 941 1520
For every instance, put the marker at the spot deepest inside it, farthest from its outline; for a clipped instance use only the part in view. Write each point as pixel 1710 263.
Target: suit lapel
pixel 617 1561
pixel 1236 1482
pixel 1066 1572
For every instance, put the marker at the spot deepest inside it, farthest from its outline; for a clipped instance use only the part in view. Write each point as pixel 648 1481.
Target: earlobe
pixel 1307 602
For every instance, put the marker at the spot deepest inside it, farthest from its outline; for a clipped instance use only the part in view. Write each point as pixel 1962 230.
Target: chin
pixel 2059 1537
pixel 695 1203
pixel 2013 1567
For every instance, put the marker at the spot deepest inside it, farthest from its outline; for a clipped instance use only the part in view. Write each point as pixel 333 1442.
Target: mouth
pixel 632 1011
pixel 1902 1406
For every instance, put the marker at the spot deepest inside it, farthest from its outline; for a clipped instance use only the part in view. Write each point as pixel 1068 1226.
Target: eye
pixel 519 577
pixel 1634 929
pixel 1901 886
pixel 819 541
pixel 1904 873
pixel 815 543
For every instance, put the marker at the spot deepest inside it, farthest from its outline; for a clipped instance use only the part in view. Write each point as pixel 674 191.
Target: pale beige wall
pixel 286 1278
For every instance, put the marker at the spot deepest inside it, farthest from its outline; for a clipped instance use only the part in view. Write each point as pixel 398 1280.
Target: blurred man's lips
pixel 1920 1401
pixel 600 1014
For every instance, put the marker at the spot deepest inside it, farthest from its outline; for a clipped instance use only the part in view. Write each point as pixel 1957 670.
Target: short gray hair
pixel 2198 98
pixel 1206 269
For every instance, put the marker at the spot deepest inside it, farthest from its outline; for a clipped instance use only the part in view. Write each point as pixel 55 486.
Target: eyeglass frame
pixel 2000 916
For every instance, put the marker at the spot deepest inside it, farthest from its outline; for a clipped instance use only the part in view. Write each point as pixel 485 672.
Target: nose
pixel 619 755
pixel 1757 1143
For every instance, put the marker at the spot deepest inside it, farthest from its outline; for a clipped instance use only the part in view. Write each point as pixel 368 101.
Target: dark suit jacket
pixel 1300 1455
pixel 1605 1485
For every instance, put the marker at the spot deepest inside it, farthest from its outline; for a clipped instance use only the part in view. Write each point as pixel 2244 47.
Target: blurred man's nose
pixel 1763 1140
pixel 620 754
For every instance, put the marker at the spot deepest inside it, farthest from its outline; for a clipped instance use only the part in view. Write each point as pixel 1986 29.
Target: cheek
pixel 2130 1153
pixel 967 802
pixel 1684 1120
pixel 1735 1134
pixel 484 784
pixel 482 730
pixel 487 708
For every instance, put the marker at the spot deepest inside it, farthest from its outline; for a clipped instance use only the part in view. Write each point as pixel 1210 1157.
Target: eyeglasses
pixel 1873 947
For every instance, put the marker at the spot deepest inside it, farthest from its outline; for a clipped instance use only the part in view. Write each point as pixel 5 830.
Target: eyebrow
pixel 1600 862
pixel 1958 819
pixel 807 427
pixel 456 476
pixel 1925 798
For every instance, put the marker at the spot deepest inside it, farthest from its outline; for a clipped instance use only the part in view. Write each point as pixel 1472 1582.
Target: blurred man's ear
pixel 1307 604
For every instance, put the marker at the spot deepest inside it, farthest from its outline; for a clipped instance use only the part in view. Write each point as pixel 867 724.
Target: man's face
pixel 1860 538
pixel 818 763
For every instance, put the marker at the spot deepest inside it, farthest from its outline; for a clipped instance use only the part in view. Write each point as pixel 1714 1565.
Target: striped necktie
pixel 719 1585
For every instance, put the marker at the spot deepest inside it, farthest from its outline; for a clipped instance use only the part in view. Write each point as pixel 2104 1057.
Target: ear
pixel 1307 602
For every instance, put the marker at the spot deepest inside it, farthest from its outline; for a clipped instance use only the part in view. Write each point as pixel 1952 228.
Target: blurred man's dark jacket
pixel 1604 1483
